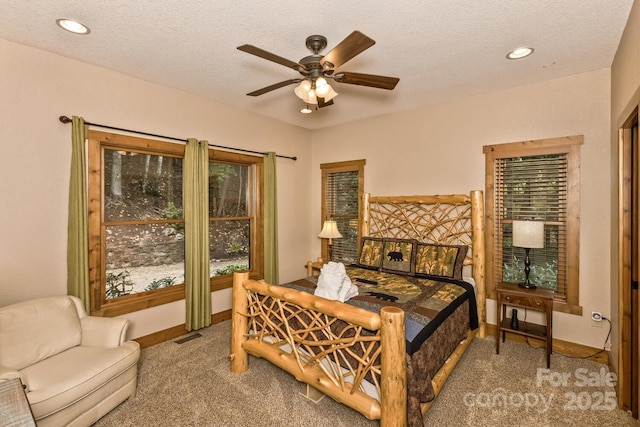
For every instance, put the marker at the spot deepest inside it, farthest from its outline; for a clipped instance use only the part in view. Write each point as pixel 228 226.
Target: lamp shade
pixel 330 94
pixel 330 230
pixel 302 89
pixel 322 87
pixel 528 234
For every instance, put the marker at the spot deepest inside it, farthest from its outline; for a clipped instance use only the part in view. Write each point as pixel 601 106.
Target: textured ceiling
pixel 441 50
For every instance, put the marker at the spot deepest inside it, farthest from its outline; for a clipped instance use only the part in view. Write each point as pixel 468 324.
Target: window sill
pixel 141 301
pixel 144 300
pixel 226 282
pixel 563 307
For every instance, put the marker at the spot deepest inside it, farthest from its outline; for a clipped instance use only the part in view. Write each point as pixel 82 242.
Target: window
pixel 535 180
pixel 235 228
pixel 136 221
pixel 342 189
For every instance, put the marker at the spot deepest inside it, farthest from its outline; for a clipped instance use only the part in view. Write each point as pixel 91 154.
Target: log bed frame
pixel 315 354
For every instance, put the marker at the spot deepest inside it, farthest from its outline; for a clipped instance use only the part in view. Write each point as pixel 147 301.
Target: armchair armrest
pixel 105 332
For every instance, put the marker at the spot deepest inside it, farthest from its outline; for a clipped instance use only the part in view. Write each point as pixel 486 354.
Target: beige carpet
pixel 190 384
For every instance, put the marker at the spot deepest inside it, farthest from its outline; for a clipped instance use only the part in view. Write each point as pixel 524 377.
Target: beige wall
pixel 438 149
pixel 36 87
pixel 625 96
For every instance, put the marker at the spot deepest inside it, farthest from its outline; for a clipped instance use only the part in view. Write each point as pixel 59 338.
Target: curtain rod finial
pixel 64 119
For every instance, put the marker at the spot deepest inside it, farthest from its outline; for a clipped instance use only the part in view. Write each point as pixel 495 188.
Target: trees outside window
pixel 233 223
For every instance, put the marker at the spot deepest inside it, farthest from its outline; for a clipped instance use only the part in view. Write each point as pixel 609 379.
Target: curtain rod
pixel 65 119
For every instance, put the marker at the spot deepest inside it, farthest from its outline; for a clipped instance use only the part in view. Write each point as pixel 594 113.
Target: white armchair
pixel 75 367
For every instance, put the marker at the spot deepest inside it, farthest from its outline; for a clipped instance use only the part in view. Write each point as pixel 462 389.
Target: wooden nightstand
pixel 313 266
pixel 540 299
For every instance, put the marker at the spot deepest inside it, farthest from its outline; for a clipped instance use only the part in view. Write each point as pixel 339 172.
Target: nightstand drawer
pixel 525 301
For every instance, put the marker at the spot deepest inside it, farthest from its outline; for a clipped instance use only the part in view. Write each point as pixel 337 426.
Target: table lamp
pixel 330 231
pixel 528 235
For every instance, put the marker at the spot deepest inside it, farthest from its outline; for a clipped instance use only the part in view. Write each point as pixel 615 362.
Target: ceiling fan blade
pixel 271 57
pixel 322 104
pixel 353 45
pixel 273 87
pixel 371 80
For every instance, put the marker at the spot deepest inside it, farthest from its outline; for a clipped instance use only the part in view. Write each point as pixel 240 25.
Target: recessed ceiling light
pixel 520 52
pixel 73 26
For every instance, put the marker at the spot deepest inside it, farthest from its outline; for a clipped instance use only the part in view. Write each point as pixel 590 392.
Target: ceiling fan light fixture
pixel 322 87
pixel 306 110
pixel 306 92
pixel 520 53
pixel 309 91
pixel 330 94
pixel 311 97
pixel 302 89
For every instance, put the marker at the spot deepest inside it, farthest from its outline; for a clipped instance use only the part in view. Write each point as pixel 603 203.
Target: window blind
pixel 341 196
pixel 532 188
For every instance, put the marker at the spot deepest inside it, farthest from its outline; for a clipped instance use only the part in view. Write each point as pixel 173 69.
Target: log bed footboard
pixel 332 357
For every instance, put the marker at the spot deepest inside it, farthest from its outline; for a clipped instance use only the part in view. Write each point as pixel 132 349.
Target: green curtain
pixel 196 218
pixel 77 226
pixel 270 221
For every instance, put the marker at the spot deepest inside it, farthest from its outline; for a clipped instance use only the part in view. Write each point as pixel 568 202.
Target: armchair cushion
pixel 34 330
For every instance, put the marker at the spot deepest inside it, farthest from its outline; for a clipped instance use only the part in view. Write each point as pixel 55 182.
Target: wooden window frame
pixel 336 167
pixel 98 140
pixel 564 145
pixel 256 211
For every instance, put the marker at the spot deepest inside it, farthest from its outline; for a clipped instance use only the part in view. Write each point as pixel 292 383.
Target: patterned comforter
pixel 426 302
pixel 438 314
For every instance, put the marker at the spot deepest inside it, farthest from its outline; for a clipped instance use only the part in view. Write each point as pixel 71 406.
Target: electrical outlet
pixel 596 319
pixel 607 346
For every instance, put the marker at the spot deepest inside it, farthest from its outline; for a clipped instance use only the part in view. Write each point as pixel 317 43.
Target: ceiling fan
pixel 313 87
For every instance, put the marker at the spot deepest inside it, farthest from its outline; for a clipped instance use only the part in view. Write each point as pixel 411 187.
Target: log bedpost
pixel 240 307
pixel 393 388
pixel 309 268
pixel 477 219
pixel 364 221
pixel 311 265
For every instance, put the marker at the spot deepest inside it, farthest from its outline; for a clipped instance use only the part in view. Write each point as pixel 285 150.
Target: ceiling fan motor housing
pixel 311 63
pixel 312 66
